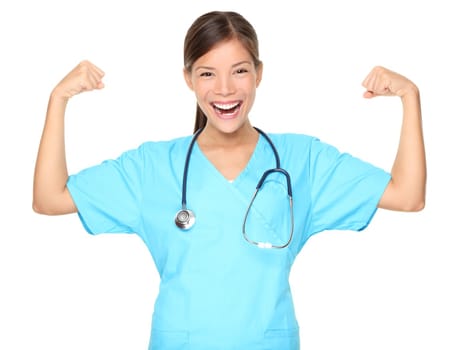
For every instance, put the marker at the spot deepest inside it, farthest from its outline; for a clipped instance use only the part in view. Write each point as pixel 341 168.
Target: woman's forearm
pixel 409 168
pixel 51 174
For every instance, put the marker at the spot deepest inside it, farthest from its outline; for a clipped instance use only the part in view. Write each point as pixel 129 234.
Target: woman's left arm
pixel 406 189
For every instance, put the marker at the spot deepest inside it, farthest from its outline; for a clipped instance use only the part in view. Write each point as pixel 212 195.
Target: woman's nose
pixel 225 86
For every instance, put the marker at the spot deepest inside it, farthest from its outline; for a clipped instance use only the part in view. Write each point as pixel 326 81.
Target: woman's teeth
pixel 226 108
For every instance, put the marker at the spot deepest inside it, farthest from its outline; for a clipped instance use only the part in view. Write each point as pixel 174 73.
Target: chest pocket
pixel 270 217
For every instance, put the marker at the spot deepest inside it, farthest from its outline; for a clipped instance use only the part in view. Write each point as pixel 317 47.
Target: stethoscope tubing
pixel 185 218
pixel 187 164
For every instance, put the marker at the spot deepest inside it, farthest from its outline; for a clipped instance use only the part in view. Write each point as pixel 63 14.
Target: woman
pixel 190 199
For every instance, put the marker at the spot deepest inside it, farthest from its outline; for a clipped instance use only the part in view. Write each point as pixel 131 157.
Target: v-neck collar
pixel 254 156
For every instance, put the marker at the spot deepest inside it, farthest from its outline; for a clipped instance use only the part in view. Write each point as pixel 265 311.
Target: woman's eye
pixel 206 74
pixel 241 70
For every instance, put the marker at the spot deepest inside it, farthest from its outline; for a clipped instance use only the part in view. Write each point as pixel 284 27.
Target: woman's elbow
pixel 416 206
pixel 58 205
pixel 411 203
pixel 41 208
pixel 397 199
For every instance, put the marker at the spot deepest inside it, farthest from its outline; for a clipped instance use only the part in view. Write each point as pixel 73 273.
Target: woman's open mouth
pixel 227 110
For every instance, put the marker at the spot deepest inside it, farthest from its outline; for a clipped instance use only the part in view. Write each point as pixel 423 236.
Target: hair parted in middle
pixel 210 29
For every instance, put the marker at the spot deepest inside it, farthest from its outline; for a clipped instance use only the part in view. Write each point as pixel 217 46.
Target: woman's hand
pixel 84 77
pixel 384 82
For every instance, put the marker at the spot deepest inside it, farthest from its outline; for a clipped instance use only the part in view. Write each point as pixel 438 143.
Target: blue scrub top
pixel 217 291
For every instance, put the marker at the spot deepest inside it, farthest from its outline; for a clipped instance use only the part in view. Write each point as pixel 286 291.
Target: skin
pixel 226 76
pixel 406 190
pixel 50 194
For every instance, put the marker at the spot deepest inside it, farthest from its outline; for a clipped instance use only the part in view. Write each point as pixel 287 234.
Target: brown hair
pixel 210 29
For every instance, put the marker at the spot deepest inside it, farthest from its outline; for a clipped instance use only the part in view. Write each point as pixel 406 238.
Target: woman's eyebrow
pixel 240 63
pixel 233 66
pixel 204 67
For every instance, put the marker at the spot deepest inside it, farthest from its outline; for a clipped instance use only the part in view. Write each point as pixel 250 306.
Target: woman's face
pixel 224 81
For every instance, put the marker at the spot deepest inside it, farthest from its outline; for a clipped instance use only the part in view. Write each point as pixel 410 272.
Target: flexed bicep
pixel 50 194
pixel 406 190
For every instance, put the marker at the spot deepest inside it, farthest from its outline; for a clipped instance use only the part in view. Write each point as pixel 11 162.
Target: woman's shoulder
pixel 305 143
pixel 157 148
pixel 295 139
pixel 165 144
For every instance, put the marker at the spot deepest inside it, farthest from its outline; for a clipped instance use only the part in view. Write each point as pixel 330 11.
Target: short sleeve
pixel 345 190
pixel 108 195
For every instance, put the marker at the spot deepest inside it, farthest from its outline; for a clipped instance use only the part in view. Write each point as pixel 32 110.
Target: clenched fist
pixel 384 82
pixel 84 77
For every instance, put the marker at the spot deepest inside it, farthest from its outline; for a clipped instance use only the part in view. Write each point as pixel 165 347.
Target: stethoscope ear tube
pixel 276 170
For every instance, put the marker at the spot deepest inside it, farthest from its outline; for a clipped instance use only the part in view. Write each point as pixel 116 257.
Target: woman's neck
pixel 211 137
pixel 229 153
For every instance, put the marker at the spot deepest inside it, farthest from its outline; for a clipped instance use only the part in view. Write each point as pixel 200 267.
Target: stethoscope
pixel 185 218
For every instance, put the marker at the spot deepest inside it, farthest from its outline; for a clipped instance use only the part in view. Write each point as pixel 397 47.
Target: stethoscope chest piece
pixel 185 219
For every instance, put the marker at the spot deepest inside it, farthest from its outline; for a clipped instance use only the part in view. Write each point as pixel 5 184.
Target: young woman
pixel 225 212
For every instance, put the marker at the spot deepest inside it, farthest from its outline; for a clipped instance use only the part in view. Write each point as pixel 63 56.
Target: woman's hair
pixel 210 29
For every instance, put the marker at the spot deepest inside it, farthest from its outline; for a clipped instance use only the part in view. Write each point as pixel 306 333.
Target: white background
pixel 400 284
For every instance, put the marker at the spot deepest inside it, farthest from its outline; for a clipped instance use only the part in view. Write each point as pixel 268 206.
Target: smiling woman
pixel 201 41
pixel 213 269
pixel 224 81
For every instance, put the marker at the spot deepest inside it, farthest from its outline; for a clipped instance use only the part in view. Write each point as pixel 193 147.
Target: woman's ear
pixel 187 76
pixel 259 73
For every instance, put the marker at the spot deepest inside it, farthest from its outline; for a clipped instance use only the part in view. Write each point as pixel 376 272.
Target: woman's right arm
pixel 50 193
